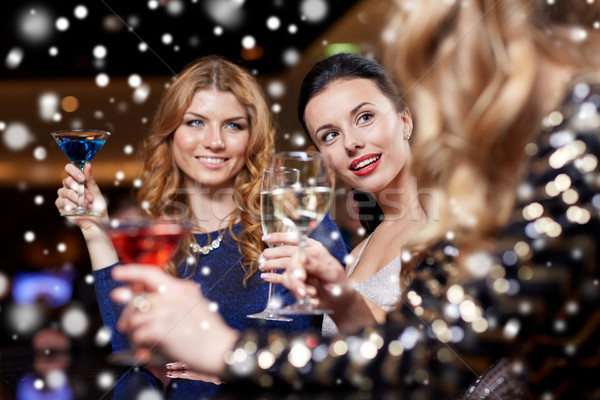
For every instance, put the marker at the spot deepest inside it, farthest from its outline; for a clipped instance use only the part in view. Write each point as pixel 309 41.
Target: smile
pixel 364 163
pixel 211 160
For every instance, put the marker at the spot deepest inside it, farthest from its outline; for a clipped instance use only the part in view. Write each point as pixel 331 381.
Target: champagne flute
pixel 272 179
pixel 151 242
pixel 80 146
pixel 303 205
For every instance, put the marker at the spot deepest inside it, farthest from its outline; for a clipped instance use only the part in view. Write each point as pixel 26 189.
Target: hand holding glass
pixel 147 241
pixel 80 146
pixel 272 179
pixel 303 205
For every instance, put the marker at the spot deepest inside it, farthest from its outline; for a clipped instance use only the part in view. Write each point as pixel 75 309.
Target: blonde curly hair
pixel 159 194
pixel 471 72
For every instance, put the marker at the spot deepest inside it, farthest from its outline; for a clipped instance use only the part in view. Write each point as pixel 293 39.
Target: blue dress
pixel 220 276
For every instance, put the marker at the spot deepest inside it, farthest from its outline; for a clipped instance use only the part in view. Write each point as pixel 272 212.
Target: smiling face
pixel 360 134
pixel 210 144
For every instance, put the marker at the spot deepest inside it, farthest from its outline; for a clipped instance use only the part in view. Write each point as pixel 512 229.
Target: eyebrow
pixel 351 113
pixel 240 117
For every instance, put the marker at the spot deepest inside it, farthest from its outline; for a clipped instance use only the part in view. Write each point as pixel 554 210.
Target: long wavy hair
pixel 471 73
pixel 161 192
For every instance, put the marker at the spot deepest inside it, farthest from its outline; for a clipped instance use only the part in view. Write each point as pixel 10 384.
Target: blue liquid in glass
pixel 80 151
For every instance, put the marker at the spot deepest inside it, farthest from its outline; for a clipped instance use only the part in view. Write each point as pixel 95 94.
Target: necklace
pixel 204 250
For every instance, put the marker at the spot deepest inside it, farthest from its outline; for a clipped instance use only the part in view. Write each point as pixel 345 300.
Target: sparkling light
pixel 276 89
pixel 40 153
pixel 314 10
pixel 29 236
pixel 273 23
pixel 14 58
pixel 102 80
pixel 80 12
pixel 74 322
pixel 99 51
pixel 35 25
pixel 248 42
pixel 62 24
pixel 105 380
pixel 141 94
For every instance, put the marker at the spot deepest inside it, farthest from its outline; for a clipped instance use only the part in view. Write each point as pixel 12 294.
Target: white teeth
pixel 366 162
pixel 210 160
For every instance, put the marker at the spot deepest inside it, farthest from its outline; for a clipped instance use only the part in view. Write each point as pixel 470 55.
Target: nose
pixel 213 138
pixel 353 142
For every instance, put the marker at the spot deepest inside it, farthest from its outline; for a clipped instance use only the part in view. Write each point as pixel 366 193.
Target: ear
pixel 407 128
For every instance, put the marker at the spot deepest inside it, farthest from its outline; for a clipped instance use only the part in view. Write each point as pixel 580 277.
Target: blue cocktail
pixel 80 146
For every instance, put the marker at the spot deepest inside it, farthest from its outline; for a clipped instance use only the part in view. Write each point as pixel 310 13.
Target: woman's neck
pixel 212 208
pixel 399 200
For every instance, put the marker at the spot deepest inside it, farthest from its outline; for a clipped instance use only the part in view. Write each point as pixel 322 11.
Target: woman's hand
pixel 320 276
pixel 173 318
pixel 68 197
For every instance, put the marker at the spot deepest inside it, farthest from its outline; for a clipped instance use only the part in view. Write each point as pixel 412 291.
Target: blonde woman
pixel 506 99
pixel 211 138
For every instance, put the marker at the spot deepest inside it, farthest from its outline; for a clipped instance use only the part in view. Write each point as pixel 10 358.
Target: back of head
pixel 479 75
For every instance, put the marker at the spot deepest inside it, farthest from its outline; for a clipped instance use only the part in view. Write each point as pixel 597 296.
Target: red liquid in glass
pixel 154 245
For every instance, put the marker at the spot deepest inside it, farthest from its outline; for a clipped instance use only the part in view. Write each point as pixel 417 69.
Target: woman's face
pixel 359 133
pixel 210 144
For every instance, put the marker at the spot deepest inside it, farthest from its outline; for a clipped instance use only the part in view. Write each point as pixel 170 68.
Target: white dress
pixel 383 289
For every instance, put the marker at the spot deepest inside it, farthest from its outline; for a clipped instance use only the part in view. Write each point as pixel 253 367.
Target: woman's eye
pixel 194 123
pixel 366 117
pixel 234 126
pixel 328 136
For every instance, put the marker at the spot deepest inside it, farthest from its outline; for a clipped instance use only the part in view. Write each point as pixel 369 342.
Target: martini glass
pixel 151 242
pixel 272 179
pixel 80 146
pixel 303 204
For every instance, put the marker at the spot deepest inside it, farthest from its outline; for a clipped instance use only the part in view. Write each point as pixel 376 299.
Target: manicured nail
pixel 169 365
pixel 266 237
pixel 265 276
pixel 261 261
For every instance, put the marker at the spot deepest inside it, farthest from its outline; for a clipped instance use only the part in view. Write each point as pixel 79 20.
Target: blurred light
pixel 253 53
pixel 100 51
pixel 167 38
pixel 276 89
pixel 128 149
pixel 105 380
pixel 228 13
pixel 273 23
pixel 16 136
pixel 29 236
pixel 69 104
pixel 53 51
pixel 24 319
pixel 62 24
pixel 248 42
pixel 134 80
pixel 153 4
pixel 111 24
pixel 102 80
pixel 74 321
pixel 4 285
pixel 291 57
pixel 175 7
pixel 80 12
pixel 40 153
pixel 292 29
pixel 54 288
pixel 35 25
pixel 14 58
pixel 140 95
pixel 335 48
pixel 314 10
pixel 218 31
pixel 276 108
pixel 47 105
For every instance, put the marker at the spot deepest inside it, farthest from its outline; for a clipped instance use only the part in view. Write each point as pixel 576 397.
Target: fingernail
pixel 265 275
pixel 169 365
pixel 301 291
pixel 266 237
pixel 261 261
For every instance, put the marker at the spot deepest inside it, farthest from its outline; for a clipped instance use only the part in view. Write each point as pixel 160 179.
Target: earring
pixel 407 137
